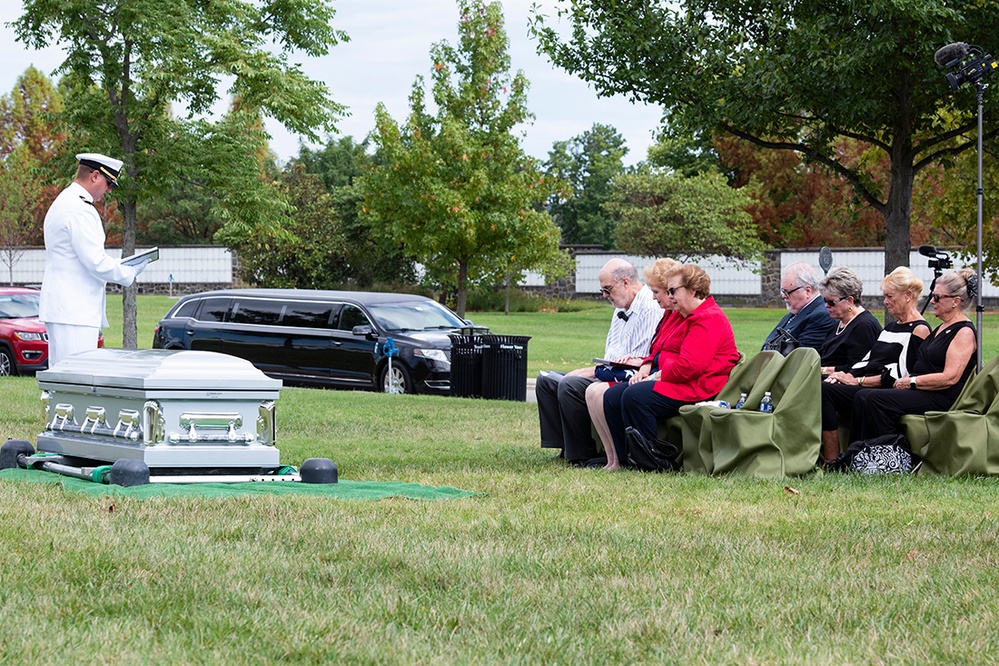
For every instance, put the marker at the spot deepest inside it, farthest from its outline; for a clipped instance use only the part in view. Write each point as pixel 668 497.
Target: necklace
pixel 841 328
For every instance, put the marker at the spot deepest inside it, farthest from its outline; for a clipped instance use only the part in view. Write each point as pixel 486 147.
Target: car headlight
pixel 28 335
pixel 432 354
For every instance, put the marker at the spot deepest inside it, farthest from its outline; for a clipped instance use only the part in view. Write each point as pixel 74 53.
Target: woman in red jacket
pixel 690 363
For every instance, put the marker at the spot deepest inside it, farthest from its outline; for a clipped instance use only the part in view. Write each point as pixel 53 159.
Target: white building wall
pixel 214 265
pixel 870 266
pixel 193 265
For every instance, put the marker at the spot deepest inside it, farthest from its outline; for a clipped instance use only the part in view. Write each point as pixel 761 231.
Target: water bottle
pixel 723 404
pixel 767 404
pixel 742 402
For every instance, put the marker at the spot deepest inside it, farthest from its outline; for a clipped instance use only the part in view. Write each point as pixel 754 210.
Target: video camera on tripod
pixel 939 260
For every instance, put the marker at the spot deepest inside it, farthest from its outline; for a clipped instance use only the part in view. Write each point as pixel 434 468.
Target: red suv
pixel 24 346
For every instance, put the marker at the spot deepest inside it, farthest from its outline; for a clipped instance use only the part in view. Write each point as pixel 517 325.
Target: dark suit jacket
pixel 810 326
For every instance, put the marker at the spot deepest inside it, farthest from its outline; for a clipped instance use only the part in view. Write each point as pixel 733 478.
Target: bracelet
pixel 860 382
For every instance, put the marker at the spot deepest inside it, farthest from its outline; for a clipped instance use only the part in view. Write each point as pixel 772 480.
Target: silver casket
pixel 167 408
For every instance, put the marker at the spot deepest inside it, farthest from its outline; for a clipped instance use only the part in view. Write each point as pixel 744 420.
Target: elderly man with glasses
pixel 807 319
pixel 565 420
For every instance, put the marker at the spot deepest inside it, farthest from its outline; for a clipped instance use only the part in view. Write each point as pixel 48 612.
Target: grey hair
pixel 842 282
pixel 804 275
pixel 623 271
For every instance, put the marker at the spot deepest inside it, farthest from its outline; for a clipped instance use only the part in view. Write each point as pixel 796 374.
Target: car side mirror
pixel 363 330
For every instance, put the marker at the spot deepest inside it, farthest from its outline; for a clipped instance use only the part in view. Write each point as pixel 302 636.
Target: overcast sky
pixel 389 45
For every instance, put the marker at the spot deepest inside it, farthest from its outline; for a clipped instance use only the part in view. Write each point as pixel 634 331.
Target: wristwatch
pixel 912 382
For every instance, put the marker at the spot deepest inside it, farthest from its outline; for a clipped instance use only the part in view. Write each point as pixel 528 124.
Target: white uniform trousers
pixel 68 339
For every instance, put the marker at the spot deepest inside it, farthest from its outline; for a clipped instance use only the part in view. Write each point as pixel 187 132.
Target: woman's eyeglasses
pixel 833 301
pixel 672 290
pixel 935 297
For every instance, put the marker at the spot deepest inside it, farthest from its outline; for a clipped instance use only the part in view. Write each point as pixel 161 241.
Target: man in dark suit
pixel 807 319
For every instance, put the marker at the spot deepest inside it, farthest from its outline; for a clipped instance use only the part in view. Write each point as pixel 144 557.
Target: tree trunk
pixel 506 304
pixel 898 241
pixel 462 288
pixel 129 337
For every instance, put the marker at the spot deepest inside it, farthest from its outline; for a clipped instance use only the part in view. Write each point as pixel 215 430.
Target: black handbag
pixel 887 454
pixel 783 342
pixel 655 456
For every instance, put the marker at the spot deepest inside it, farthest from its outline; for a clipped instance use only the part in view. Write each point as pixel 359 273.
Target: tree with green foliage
pixel 588 163
pixel 371 258
pixel 456 188
pixel 130 66
pixel 19 194
pixel 29 117
pixel 954 206
pixel 792 76
pixel 309 254
pixel 670 215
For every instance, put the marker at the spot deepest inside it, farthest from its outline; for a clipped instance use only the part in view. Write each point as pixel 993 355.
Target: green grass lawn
pixel 549 564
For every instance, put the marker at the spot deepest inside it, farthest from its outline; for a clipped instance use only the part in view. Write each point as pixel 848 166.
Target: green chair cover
pixel 782 443
pixel 693 426
pixel 672 429
pixel 964 439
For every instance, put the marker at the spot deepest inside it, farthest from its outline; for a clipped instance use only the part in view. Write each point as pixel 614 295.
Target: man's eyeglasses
pixel 787 292
pixel 935 297
pixel 607 290
pixel 833 301
pixel 672 290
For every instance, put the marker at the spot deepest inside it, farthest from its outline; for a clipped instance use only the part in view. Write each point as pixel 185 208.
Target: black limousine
pixel 337 339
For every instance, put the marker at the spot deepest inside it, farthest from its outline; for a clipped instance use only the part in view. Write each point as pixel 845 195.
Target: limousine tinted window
pixel 351 316
pixel 261 313
pixel 187 310
pixel 308 315
pixel 213 309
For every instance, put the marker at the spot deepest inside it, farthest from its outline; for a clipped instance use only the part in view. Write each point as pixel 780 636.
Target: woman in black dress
pixel 943 364
pixel 891 356
pixel 857 330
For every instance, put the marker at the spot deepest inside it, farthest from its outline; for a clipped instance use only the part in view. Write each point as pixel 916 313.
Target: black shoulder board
pixel 91 203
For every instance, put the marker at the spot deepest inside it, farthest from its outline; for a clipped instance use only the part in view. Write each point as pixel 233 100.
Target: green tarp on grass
pixel 347 490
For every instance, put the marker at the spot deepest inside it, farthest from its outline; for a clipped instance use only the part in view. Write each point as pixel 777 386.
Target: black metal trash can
pixel 504 367
pixel 466 365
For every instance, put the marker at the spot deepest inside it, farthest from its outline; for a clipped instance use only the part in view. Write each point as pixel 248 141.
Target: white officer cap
pixel 108 166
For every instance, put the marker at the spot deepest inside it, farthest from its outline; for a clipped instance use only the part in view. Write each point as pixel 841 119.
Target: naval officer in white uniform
pixel 77 268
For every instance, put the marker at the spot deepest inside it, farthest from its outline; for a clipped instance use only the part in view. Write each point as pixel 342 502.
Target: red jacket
pixel 695 354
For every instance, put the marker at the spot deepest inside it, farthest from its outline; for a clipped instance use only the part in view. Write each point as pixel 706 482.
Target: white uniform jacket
pixel 77 268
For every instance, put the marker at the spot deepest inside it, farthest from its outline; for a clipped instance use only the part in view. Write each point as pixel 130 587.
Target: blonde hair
pixel 657 275
pixel 956 282
pixel 904 280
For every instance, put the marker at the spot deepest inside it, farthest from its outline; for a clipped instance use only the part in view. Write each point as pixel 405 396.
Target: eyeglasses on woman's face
pixel 833 301
pixel 672 290
pixel 935 297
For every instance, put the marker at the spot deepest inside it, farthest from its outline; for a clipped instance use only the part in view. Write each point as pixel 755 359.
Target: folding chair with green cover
pixel 782 443
pixel 965 438
pixel 693 425
pixel 672 429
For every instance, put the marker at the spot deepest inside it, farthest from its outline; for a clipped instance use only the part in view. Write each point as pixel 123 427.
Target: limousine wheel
pixel 397 381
